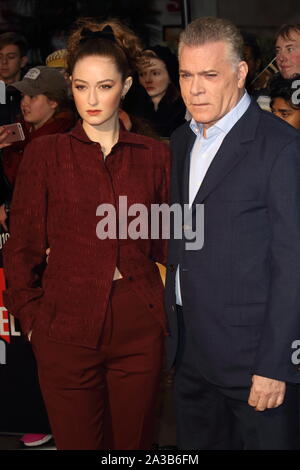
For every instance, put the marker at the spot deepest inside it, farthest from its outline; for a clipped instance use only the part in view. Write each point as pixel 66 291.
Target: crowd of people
pixel 97 120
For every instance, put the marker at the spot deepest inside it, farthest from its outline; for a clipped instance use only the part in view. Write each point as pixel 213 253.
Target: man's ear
pixel 126 86
pixel 242 73
pixel 24 61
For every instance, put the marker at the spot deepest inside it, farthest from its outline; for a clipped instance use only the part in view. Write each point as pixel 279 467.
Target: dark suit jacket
pixel 62 180
pixel 241 291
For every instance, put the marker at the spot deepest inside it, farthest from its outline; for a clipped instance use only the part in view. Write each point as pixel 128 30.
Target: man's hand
pixel 3 217
pixel 3 136
pixel 266 393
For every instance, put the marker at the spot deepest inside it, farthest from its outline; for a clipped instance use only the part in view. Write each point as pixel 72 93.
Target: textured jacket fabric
pixel 240 292
pixel 61 182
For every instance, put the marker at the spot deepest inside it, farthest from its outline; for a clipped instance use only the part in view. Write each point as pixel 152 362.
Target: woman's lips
pixel 94 112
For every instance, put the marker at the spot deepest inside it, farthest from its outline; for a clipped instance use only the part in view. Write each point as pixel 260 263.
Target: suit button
pixel 130 278
pixel 173 308
pixel 151 306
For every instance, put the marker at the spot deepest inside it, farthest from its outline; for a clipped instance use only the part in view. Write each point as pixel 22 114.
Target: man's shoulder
pixel 269 126
pixel 276 126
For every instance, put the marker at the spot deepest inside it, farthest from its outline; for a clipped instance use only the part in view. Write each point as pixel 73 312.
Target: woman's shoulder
pixel 147 141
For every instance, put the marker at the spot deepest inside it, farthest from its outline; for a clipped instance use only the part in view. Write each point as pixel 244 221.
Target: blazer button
pixel 173 308
pixel 151 306
pixel 130 278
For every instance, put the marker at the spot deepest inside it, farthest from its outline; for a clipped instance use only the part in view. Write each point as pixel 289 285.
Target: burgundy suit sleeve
pixel 25 249
pixel 159 247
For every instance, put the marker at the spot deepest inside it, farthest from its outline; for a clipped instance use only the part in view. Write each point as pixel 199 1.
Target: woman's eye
pixel 106 87
pixel 79 87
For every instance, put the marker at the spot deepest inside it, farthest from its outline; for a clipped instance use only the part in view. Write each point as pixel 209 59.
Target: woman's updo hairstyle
pixel 123 47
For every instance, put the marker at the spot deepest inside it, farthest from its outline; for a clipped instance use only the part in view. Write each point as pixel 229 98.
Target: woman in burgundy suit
pixel 95 317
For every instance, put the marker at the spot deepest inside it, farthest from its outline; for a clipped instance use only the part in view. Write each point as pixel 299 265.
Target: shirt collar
pixel 124 136
pixel 226 123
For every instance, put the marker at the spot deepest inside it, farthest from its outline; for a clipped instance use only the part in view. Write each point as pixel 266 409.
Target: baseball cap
pixel 42 79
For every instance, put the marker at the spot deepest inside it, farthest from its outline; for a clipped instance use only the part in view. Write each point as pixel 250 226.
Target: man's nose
pixel 281 57
pixel 4 59
pixel 197 86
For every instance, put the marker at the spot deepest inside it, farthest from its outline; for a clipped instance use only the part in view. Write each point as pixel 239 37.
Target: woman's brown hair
pixel 125 49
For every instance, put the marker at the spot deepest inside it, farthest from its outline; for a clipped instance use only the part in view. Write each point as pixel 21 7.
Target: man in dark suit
pixel 234 305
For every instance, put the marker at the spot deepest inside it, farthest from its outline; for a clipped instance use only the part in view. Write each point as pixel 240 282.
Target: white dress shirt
pixel 204 151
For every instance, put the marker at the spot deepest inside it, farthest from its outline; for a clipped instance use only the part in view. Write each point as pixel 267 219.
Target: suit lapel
pixel 182 149
pixel 185 175
pixel 231 152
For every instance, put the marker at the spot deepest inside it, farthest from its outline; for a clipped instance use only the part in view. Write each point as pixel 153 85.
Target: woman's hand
pixel 3 136
pixel 3 217
pixel 29 335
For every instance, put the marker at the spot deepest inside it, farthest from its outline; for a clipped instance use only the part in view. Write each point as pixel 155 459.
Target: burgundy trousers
pixel 105 398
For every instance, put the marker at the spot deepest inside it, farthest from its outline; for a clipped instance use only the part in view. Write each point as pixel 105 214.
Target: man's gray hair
pixel 208 29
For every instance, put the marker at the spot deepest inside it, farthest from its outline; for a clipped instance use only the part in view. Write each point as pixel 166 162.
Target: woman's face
pixel 37 110
pixel 284 110
pixel 155 78
pixel 97 88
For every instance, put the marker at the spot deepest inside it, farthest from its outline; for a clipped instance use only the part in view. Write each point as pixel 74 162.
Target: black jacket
pixel 241 291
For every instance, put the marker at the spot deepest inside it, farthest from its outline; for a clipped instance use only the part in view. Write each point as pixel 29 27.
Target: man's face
pixel 288 54
pixel 210 85
pixel 11 63
pixel 285 111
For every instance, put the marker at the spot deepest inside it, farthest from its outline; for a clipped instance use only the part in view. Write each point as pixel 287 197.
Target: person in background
pixel 252 55
pixel 285 99
pixel 287 47
pixel 13 58
pixel 159 101
pixel 58 60
pixel 45 111
pixel 95 317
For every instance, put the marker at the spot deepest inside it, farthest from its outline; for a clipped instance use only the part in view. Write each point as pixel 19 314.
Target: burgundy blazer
pixel 62 180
